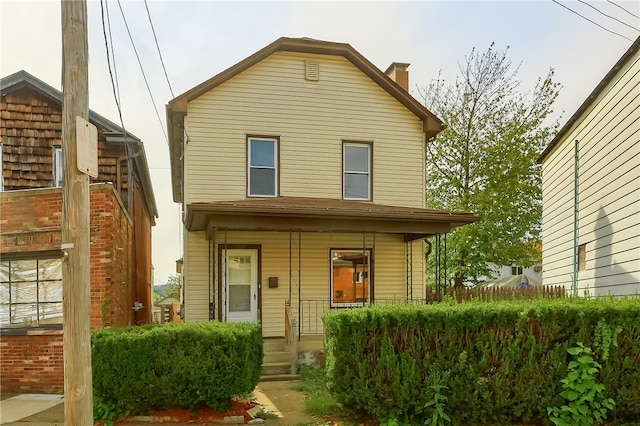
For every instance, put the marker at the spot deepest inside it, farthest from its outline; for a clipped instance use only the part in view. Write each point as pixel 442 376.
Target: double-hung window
pixel 30 292
pixel 356 161
pixel 350 277
pixel 58 175
pixel 262 166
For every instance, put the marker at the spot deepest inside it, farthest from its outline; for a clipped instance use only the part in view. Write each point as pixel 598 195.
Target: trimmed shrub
pixel 501 362
pixel 175 365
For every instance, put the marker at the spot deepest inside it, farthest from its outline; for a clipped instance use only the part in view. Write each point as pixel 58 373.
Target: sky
pixel 199 39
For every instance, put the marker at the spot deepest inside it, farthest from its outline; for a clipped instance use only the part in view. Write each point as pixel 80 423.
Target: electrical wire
pixel 158 47
pixel 594 23
pixel 630 13
pixel 144 76
pixel 116 94
pixel 608 16
pixel 106 45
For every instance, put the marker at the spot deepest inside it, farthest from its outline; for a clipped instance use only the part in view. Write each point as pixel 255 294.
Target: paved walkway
pixel 18 407
pixel 287 404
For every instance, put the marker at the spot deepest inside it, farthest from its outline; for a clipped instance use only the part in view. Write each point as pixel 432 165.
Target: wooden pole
pixel 78 403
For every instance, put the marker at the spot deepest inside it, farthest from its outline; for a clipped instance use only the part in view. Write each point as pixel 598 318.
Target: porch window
pixel 30 292
pixel 350 276
pixel 262 167
pixel 356 160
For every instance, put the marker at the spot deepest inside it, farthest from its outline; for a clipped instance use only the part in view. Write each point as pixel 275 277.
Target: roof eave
pixel 113 132
pixel 205 216
pixel 572 122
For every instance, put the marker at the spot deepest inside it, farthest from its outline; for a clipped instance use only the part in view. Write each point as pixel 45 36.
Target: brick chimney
pixel 397 72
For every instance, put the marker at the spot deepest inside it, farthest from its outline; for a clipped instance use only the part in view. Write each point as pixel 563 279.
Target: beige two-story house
pixel 301 173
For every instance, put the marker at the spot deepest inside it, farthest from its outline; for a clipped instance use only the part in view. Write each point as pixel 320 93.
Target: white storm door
pixel 241 284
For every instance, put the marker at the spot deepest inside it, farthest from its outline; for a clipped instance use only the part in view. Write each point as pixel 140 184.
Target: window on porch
pixel 350 277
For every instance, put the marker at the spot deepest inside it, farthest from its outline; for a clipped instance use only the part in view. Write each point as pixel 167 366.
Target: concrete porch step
pixel 279 356
pixel 275 368
pixel 279 377
pixel 273 345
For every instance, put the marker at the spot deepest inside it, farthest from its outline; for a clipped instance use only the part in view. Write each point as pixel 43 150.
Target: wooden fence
pixel 485 294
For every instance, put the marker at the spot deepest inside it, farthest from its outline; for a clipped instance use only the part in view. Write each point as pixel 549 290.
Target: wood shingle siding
pixel 29 133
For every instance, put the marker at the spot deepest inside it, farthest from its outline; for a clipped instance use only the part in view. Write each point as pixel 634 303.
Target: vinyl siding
pixel 313 267
pixel 609 193
pixel 196 276
pixel 312 119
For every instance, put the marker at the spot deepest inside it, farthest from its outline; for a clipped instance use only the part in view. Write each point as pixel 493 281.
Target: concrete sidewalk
pixel 287 404
pixel 18 407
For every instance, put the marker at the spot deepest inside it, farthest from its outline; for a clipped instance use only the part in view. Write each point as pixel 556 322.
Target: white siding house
pixel 301 173
pixel 591 190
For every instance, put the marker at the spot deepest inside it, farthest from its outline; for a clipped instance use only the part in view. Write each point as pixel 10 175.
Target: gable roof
pixel 611 75
pixel 177 107
pixel 113 132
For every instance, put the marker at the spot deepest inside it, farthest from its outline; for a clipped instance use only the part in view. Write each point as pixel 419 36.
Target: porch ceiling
pixel 321 215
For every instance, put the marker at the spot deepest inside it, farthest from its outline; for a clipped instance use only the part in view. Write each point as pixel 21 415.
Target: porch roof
pixel 322 215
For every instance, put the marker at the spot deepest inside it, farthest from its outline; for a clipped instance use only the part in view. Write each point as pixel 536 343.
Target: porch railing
pixel 311 310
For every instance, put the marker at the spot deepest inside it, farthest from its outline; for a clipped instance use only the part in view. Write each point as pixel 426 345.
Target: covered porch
pixel 316 255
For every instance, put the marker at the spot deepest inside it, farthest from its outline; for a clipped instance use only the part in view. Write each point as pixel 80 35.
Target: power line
pixel 630 13
pixel 113 84
pixel 144 76
pixel 608 16
pixel 594 23
pixel 158 47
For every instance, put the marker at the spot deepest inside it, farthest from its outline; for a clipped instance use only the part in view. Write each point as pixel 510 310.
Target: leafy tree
pixel 174 286
pixel 485 162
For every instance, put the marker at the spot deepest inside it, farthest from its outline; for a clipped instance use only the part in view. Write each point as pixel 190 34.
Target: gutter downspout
pixel 576 177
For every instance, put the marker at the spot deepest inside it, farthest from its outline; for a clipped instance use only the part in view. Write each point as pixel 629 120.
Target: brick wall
pixel 142 223
pixel 30 223
pixel 32 363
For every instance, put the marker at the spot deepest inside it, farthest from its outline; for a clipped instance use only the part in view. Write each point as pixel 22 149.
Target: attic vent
pixel 311 71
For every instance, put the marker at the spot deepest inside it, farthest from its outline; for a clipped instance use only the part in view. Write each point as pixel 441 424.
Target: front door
pixel 240 283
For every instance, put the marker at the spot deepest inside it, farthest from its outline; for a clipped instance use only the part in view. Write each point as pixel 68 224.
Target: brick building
pixel 122 212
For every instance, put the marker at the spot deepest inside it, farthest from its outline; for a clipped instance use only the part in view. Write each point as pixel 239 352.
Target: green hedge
pixel 175 365
pixel 502 362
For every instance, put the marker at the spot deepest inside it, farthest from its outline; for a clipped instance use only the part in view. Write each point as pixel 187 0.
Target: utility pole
pixel 76 296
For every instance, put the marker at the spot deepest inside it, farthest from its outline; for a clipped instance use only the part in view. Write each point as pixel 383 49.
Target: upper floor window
pixel 356 161
pixel 262 167
pixel 58 173
pixel 516 270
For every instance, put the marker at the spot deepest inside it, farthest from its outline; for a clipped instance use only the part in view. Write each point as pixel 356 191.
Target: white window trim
pixel 275 167
pixel 345 172
pixel 58 166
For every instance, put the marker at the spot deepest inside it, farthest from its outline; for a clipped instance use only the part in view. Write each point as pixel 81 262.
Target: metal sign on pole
pixel 87 143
